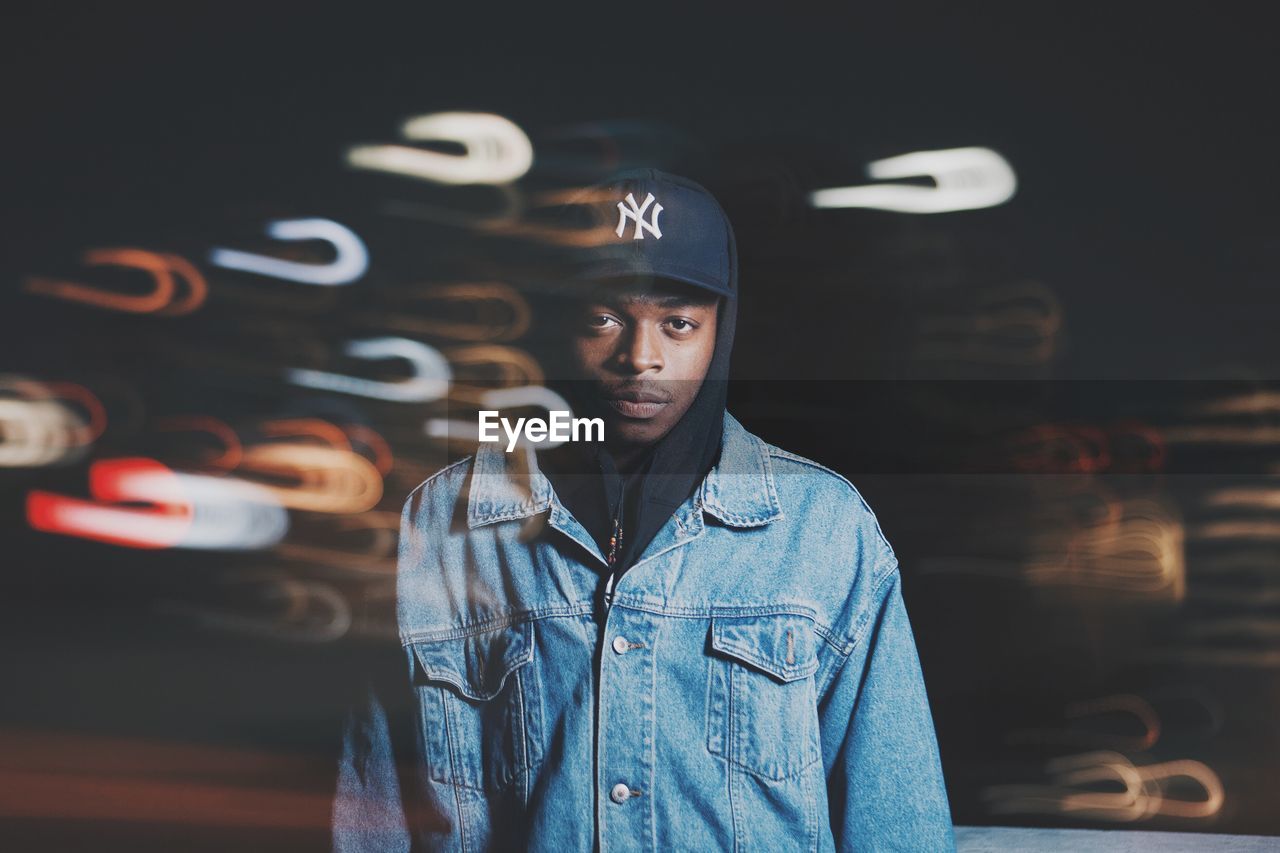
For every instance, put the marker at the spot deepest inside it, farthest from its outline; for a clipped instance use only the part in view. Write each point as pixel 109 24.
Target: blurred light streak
pixel 965 178
pixel 1236 529
pixel 36 433
pixel 1247 581
pixel 1060 449
pixel 383 459
pixel 1014 324
pixel 73 392
pixel 113 481
pixel 1094 712
pixel 599 207
pixel 429 382
pixel 50 775
pixel 1215 654
pixel 228 514
pixel 187 510
pixel 335 436
pixel 495 150
pixel 1143 797
pixel 1255 402
pixel 1246 521
pixel 1228 434
pixel 71 752
pixel 1240 628
pixel 531 396
pixel 311 611
pixel 1250 497
pixel 1175 702
pixel 62 392
pixel 1195 771
pixel 232 451
pixel 1135 548
pixel 1241 596
pixel 321 430
pixel 1129 434
pixel 1064 794
pixel 164 297
pixel 506 365
pixel 323 479
pixel 490 311
pixel 376 556
pixel 1141 552
pixel 350 264
pixel 1051 448
pixel 33 794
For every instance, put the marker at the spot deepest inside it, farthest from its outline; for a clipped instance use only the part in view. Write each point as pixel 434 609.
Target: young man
pixel 703 646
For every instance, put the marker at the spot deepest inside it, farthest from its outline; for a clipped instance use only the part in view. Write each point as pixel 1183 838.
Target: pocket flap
pixel 477 664
pixel 781 644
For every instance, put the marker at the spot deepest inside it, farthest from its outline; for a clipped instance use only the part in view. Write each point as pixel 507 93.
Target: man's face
pixel 645 349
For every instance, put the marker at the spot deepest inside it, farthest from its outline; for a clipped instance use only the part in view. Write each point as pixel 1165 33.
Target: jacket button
pixel 620 793
pixel 620 645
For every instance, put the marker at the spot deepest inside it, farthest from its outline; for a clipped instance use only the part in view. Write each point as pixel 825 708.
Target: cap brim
pixel 605 272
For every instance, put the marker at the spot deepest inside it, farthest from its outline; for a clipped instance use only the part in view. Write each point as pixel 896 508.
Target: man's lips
pixel 633 409
pixel 640 405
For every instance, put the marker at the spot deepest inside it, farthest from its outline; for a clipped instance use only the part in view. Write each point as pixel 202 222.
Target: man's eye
pixel 600 321
pixel 680 324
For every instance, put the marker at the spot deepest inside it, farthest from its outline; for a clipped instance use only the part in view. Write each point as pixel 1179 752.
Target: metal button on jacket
pixel 620 793
pixel 621 644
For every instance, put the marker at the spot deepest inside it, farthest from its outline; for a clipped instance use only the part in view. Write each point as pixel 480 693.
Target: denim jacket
pixel 753 684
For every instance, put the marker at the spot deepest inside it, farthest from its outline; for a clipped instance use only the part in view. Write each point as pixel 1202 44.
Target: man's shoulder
pixel 804 465
pixel 821 491
pixel 447 483
pixel 811 476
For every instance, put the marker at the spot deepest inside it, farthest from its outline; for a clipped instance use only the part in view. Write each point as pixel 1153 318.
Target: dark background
pixel 1143 138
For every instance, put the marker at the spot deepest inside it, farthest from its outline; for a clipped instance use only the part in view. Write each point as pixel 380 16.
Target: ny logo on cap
pixel 636 214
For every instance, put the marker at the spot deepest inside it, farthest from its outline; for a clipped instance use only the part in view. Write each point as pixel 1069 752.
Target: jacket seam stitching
pixel 455 774
pixel 722 612
pixel 828 634
pixel 741 652
pixel 522 511
pixel 864 621
pixel 443 470
pixel 490 625
pixel 786 454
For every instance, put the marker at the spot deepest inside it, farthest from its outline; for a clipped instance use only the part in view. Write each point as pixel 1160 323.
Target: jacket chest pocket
pixel 762 703
pixel 480 707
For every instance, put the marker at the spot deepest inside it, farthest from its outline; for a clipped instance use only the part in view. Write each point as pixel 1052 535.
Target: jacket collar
pixel 739 490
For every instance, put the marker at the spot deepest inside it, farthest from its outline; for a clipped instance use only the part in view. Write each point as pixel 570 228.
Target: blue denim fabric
pixel 753 685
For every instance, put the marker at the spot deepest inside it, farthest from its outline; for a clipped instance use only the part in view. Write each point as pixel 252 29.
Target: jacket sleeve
pixel 383 800
pixel 884 774
pixel 368 812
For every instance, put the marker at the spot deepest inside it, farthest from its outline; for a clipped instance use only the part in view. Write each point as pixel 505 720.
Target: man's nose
pixel 642 350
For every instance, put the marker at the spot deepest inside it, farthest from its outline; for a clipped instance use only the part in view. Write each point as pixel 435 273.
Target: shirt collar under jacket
pixel 739 490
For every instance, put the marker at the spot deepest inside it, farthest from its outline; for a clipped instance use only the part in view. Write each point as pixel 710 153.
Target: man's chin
pixel 629 432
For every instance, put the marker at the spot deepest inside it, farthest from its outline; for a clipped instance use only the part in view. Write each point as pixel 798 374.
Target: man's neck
pixel 628 457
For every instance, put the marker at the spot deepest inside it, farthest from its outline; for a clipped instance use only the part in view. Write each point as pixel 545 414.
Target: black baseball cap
pixel 659 226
